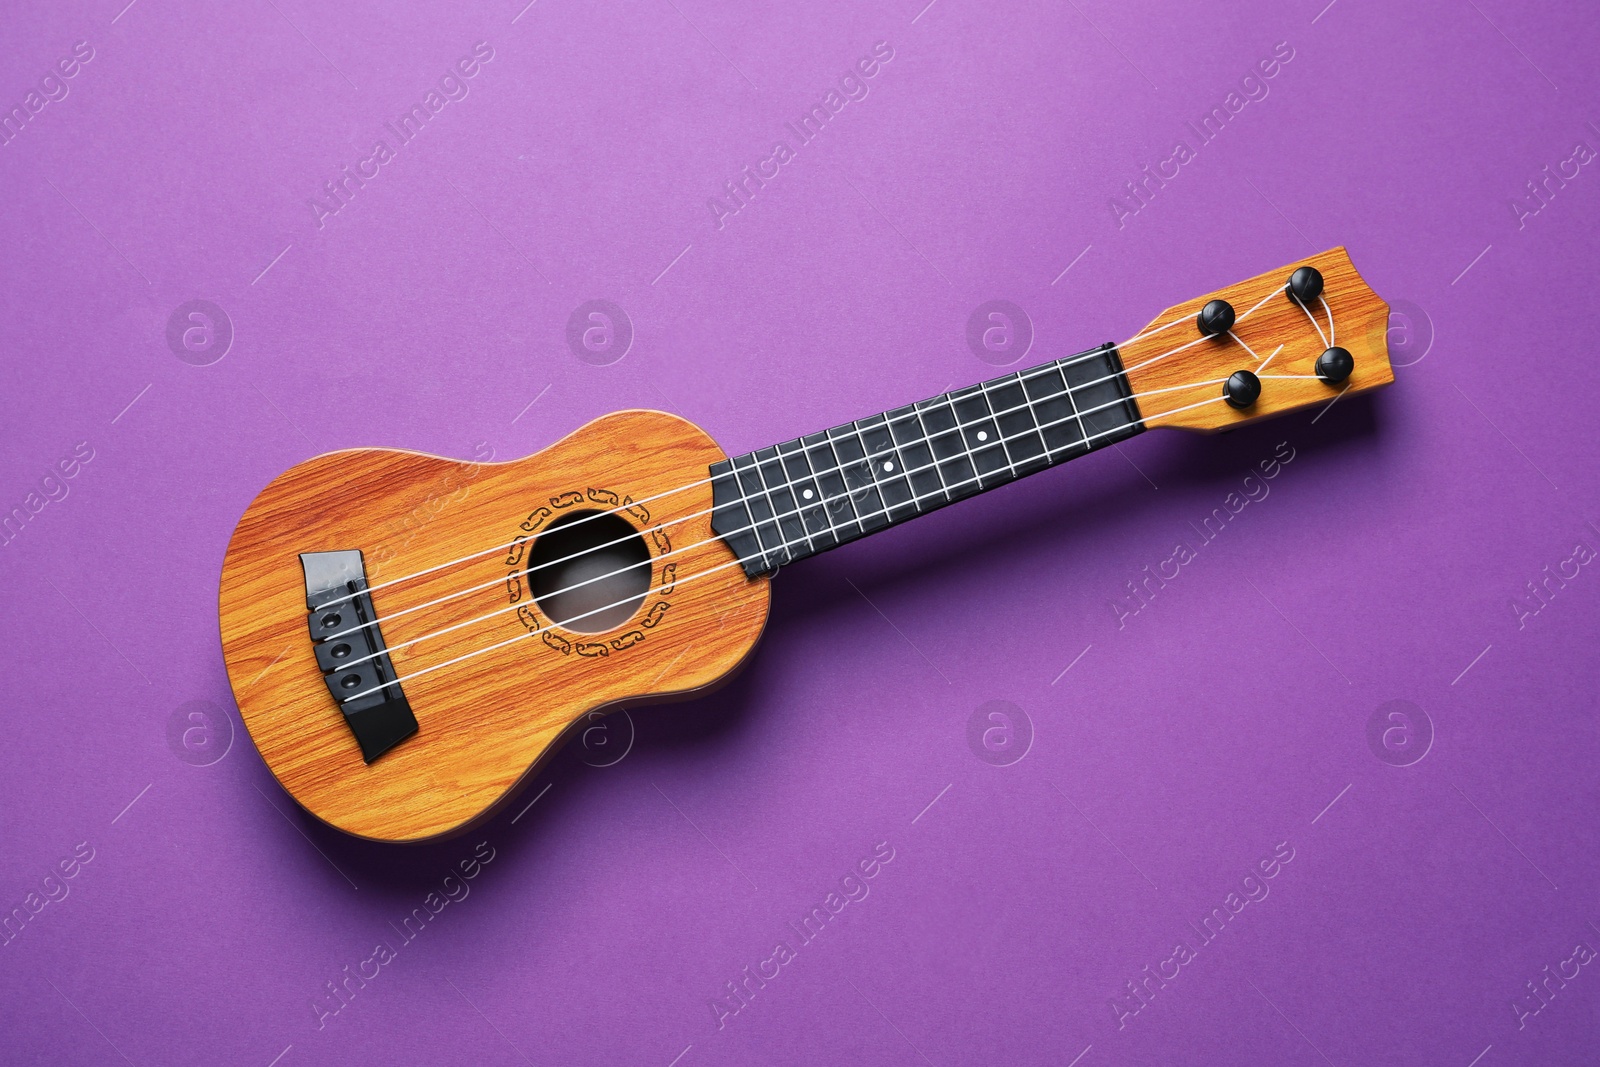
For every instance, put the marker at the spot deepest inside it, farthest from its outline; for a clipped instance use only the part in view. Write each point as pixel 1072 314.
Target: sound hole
pixel 589 571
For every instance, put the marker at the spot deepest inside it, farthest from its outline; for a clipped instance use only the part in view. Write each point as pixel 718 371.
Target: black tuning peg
pixel 1242 389
pixel 1215 318
pixel 1305 285
pixel 1335 365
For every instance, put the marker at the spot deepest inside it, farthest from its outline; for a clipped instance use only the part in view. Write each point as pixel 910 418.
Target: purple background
pixel 1228 716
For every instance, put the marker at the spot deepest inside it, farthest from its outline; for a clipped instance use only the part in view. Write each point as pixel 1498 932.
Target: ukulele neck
pixel 788 501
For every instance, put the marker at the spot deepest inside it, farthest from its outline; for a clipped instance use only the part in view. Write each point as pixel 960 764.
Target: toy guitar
pixel 409 637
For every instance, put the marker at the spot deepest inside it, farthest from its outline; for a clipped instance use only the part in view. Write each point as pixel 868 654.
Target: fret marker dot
pixel 983 435
pixel 888 464
pixel 806 493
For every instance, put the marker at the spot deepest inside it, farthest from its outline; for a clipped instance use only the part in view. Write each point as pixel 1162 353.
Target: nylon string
pixel 785 545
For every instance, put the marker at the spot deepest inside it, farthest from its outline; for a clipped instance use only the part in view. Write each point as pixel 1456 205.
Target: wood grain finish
pixel 487 723
pixel 1162 381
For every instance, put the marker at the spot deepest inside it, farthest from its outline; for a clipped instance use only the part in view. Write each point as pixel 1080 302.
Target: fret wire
pixel 791 488
pixel 979 427
pixel 851 429
pixel 966 445
pixel 754 528
pixel 855 428
pixel 766 554
pixel 1036 417
pixel 1022 439
pixel 816 487
pixel 916 409
pixel 768 491
pixel 891 458
pixel 911 443
pixel 1056 397
pixel 1033 416
pixel 1005 447
pixel 838 465
pixel 733 473
pixel 961 453
pixel 1065 423
pixel 944 455
pixel 1100 386
pixel 1083 431
pixel 891 464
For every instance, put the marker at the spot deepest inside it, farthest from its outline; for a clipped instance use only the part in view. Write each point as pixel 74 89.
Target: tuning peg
pixel 1305 285
pixel 1215 318
pixel 1242 388
pixel 1335 365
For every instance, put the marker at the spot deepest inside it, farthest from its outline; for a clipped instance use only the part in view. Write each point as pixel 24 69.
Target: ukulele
pixel 409 637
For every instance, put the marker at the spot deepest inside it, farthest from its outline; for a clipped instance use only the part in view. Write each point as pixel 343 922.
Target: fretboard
pixel 780 504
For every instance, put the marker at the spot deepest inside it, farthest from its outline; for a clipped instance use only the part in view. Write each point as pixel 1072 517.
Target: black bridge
pixel 344 630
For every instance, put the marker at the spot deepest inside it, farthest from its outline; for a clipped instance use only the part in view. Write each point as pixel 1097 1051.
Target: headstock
pixel 1178 373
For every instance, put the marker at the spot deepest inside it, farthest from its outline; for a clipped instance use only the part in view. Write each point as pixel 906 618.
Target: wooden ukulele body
pixel 487 723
